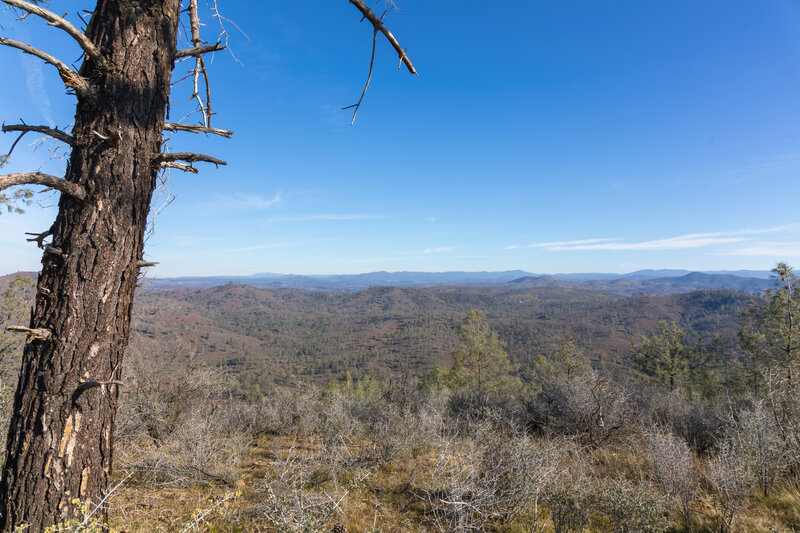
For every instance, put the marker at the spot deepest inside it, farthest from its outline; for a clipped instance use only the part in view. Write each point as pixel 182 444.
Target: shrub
pixel 569 501
pixel 729 477
pixel 756 440
pixel 698 421
pixel 291 501
pixel 172 426
pixel 671 467
pixel 487 478
pixel 594 409
pixel 628 507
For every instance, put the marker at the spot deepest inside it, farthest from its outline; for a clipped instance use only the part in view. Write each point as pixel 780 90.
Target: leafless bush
pixel 453 489
pixel 477 481
pixel 698 421
pixel 198 451
pixel 292 499
pixel 628 507
pixel 526 468
pixel 284 413
pixel 172 426
pixel 755 438
pixel 569 500
pixel 163 386
pixel 729 477
pixel 782 399
pixel 410 432
pixel 338 422
pixel 595 409
pixel 398 435
pixel 474 402
pixel 671 464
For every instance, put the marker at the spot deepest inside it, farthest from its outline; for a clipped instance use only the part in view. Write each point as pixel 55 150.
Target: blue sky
pixel 576 136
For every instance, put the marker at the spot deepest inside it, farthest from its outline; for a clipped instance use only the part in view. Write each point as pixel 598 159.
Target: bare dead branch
pixel 145 264
pixel 59 22
pixel 196 128
pixel 378 24
pixel 6 157
pixel 39 238
pixel 199 50
pixel 48 180
pixel 189 157
pixel 357 105
pixel 199 66
pixel 208 89
pixel 71 79
pixel 52 132
pixel 224 31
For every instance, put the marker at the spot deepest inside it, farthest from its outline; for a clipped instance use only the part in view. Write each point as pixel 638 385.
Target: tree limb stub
pixel 71 79
pixel 33 333
pixel 199 50
pixel 59 22
pixel 48 180
pixel 92 384
pixel 52 132
pixel 196 128
pixel 189 157
pixel 378 24
pixel 186 167
pixel 53 250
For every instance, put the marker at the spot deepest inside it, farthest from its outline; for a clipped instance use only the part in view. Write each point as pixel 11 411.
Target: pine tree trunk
pixel 60 439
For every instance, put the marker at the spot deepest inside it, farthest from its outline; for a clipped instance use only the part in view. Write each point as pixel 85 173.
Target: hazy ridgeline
pixel 409 410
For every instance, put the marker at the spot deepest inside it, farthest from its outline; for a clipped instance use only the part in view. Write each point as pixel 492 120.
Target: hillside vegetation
pixel 292 336
pixel 453 409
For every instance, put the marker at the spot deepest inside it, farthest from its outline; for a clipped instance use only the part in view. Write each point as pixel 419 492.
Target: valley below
pixel 287 337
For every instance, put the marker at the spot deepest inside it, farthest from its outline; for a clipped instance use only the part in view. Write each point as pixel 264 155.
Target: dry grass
pixel 386 501
pixel 383 502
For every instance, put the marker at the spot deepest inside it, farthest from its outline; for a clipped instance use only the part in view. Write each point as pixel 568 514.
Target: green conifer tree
pixel 481 362
pixel 770 335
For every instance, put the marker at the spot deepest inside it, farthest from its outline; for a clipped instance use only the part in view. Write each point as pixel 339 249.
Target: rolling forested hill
pixel 287 336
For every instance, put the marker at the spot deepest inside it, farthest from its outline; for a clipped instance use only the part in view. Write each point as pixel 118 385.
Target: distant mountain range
pixel 642 281
pixel 656 282
pixel 660 286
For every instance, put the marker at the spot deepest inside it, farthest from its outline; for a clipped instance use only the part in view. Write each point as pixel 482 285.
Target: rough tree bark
pixel 59 447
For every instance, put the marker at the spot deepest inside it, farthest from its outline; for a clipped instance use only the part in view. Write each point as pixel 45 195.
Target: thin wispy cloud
pixel 768 249
pixel 329 217
pixel 34 80
pixel 427 251
pixel 251 201
pixel 558 243
pixel 763 166
pixel 690 240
